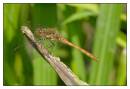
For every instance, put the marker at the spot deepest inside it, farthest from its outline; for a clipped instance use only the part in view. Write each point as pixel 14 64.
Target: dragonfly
pixel 49 33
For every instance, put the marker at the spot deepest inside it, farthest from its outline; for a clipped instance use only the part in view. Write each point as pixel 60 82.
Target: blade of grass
pixel 108 25
pixel 91 7
pixel 42 66
pixel 43 15
pixel 26 77
pixel 121 40
pixel 9 75
pixel 76 36
pixel 78 16
pixel 95 9
pixel 77 63
pixel 11 13
pixel 121 70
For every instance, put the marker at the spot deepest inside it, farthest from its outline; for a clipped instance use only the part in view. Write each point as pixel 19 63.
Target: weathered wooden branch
pixel 62 70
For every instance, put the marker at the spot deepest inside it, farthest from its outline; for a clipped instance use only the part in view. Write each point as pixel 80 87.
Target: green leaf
pixel 43 15
pixel 123 17
pixel 43 72
pixel 11 21
pixel 121 40
pixel 91 7
pixel 77 62
pixel 76 37
pixel 108 25
pixel 11 13
pixel 78 16
pixel 121 70
pixel 9 75
pixel 94 8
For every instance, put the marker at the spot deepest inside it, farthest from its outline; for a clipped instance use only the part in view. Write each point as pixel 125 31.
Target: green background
pixel 99 28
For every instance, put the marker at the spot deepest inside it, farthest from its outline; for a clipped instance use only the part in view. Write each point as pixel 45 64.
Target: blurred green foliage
pixel 98 28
